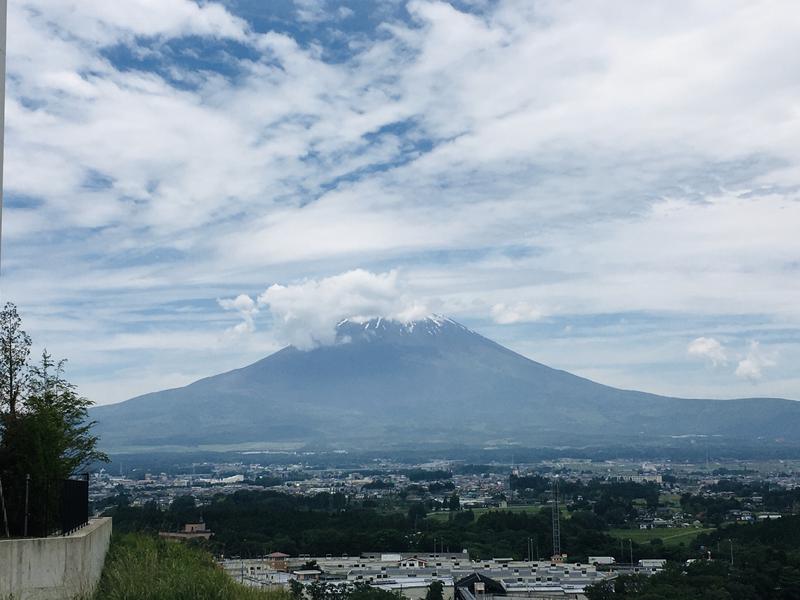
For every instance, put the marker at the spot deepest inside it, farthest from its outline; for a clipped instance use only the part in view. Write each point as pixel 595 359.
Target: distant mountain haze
pixel 431 381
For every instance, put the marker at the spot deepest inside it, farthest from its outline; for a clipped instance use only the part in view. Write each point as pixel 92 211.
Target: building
pixel 478 586
pixel 277 561
pixel 307 574
pixel 191 531
pixel 411 574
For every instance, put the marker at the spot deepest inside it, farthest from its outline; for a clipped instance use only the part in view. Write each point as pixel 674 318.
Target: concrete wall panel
pixel 55 567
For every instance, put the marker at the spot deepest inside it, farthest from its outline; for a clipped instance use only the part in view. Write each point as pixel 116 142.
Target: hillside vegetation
pixel 140 566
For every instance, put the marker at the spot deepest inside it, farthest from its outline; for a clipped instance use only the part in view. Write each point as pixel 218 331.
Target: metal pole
pixel 46 515
pixel 27 490
pixel 630 545
pixel 731 542
pixel 3 503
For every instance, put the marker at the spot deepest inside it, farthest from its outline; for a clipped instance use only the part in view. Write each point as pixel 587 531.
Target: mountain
pixel 429 381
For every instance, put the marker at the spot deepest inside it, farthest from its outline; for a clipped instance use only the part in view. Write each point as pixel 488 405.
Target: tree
pixel 45 432
pixel 602 590
pixel 318 590
pixel 15 348
pixel 60 418
pixel 416 512
pixel 363 591
pixel 435 591
pixel 464 517
pixel 184 510
pixel 454 503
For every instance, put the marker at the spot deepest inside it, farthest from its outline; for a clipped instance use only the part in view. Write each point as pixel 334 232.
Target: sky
pixel 610 188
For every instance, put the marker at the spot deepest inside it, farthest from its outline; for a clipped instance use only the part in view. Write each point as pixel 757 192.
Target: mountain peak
pixel 382 327
pixel 427 381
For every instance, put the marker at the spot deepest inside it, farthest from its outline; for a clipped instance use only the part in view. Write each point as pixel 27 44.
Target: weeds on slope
pixel 144 567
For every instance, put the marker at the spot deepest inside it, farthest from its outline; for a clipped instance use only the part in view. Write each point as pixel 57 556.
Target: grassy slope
pixel 144 567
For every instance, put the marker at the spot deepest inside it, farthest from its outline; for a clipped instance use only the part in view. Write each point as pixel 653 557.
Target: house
pixel 413 563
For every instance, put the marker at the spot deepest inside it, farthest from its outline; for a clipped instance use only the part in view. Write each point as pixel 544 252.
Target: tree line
pixel 253 523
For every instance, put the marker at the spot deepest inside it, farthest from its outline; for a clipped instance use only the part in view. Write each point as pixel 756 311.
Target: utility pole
pixel 630 546
pixel 731 543
pixel 27 490
pixel 3 504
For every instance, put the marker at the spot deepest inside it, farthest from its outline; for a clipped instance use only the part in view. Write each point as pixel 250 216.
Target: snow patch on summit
pixel 432 325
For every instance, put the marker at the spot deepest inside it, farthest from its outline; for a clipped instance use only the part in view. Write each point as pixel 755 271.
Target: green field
pixel 672 501
pixel 670 537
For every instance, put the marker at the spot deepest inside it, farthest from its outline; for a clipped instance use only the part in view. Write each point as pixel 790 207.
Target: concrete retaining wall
pixel 54 567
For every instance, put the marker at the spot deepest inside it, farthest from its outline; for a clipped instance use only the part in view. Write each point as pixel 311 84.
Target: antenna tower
pixel 556 524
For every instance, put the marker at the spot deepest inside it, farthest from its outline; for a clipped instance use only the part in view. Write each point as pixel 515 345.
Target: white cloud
pixel 708 349
pixel 518 312
pixel 311 11
pixel 643 164
pixel 247 309
pixel 305 314
pixel 102 22
pixel 752 366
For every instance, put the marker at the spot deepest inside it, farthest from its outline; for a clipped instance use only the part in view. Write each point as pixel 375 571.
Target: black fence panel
pixel 74 504
pixel 40 508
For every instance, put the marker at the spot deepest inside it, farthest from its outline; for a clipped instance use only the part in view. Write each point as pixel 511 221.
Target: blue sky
pixel 608 188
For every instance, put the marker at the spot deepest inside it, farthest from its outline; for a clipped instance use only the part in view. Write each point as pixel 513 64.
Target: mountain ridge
pixel 427 381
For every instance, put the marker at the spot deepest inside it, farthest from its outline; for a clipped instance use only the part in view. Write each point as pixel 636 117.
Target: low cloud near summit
pixel 304 314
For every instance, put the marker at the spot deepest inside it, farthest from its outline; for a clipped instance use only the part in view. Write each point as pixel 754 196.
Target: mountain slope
pixel 433 380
